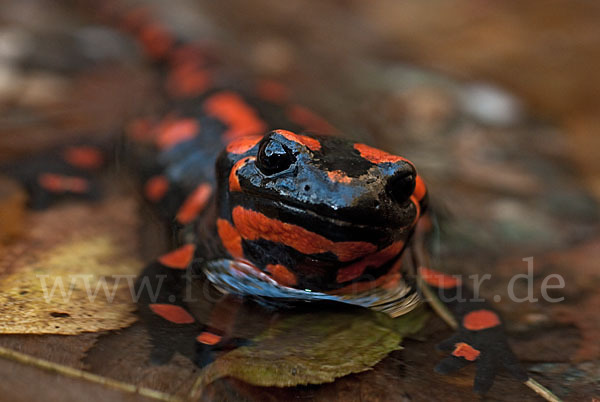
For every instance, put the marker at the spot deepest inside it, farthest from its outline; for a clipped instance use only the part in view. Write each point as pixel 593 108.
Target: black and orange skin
pixel 243 178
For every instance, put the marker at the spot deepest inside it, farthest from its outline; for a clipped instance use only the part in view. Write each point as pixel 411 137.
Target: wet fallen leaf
pixel 71 275
pixel 315 348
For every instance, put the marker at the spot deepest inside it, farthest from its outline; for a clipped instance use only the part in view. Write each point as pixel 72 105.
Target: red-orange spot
pixel 155 39
pixel 420 189
pixel 272 91
pixel 179 258
pixel 376 156
pixel 230 238
pixel 253 225
pixel 171 133
pixel 189 53
pixel 234 183
pixel 208 338
pixel 438 279
pixel 241 119
pixel 84 157
pixel 339 177
pixel 172 313
pixel 467 351
pixel 417 208
pixel 194 204
pixel 480 319
pixel 377 259
pixel 282 274
pixel 156 187
pixel 309 120
pixel 140 130
pixel 57 183
pixel 135 18
pixel 243 145
pixel 188 80
pixel 311 143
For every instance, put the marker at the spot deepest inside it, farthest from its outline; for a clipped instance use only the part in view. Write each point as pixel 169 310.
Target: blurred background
pixel 497 103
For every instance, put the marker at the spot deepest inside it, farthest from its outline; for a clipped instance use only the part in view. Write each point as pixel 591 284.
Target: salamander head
pixel 315 212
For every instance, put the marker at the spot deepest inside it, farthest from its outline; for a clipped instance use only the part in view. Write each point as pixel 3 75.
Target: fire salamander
pixel 289 214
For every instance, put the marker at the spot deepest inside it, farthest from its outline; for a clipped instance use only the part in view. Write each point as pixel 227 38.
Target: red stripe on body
pixel 377 259
pixel 282 274
pixel 194 204
pixel 179 258
pixel 480 319
pixel 172 313
pixel 338 176
pixel 84 157
pixel 208 338
pixel 241 119
pixel 243 145
pixel 234 183
pixel 438 279
pixel 172 132
pixel 230 238
pixel 467 351
pixel 253 225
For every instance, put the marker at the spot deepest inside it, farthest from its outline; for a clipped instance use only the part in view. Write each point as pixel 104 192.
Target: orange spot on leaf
pixel 179 258
pixel 194 204
pixel 480 319
pixel 467 351
pixel 253 225
pixel 172 313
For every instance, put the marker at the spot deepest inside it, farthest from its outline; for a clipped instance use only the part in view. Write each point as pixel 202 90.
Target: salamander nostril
pixel 400 187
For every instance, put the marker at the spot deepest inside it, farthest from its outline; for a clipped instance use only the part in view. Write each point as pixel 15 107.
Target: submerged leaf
pixel 71 275
pixel 315 348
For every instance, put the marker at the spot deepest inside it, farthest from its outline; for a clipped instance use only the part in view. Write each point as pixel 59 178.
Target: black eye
pixel 273 157
pixel 401 186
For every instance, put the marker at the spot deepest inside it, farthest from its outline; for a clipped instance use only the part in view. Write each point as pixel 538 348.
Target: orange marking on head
pixel 208 338
pixel 188 80
pixel 230 238
pixel 58 183
pixel 171 133
pixel 376 156
pixel 243 145
pixel 438 279
pixel 282 274
pixel 234 182
pixel 194 204
pixel 272 91
pixel 309 120
pixel 465 350
pixel 338 176
pixel 420 188
pixel 172 313
pixel 155 39
pixel 241 119
pixel 377 259
pixel 311 143
pixel 254 225
pixel 179 258
pixel 84 157
pixel 480 319
pixel 156 187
